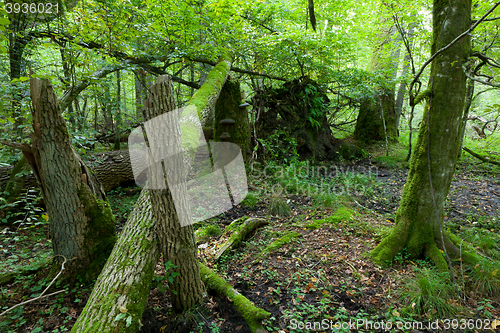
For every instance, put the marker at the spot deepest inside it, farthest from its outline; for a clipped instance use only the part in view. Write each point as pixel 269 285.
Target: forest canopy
pixel 368 132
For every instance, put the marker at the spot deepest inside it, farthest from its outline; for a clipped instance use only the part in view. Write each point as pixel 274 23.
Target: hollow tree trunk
pixel 419 217
pixel 81 222
pixel 132 284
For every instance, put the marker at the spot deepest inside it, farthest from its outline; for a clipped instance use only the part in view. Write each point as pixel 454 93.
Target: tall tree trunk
pixel 377 116
pixel 419 219
pixel 120 290
pixel 402 86
pixel 118 110
pixel 67 83
pixel 16 49
pixel 81 222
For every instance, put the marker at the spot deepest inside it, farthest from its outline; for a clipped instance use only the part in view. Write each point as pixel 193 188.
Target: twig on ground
pixel 43 292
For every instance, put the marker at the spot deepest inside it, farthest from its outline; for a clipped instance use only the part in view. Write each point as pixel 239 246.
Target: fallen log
pixel 112 169
pixel 252 314
pixel 484 158
pixel 239 235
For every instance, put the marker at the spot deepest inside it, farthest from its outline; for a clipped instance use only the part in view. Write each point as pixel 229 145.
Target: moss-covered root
pixel 252 314
pixel 239 235
pixel 285 239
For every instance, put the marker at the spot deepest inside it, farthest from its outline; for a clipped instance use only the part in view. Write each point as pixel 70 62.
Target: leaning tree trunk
pixel 419 217
pixel 177 242
pixel 118 291
pixel 81 222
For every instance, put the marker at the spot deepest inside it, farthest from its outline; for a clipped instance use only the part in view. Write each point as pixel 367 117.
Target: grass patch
pixel 430 295
pixel 279 206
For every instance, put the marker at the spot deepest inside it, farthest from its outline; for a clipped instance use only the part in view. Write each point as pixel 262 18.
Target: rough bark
pixel 81 222
pixel 252 314
pixel 228 107
pixel 419 218
pixel 177 242
pixel 139 242
pixel 124 283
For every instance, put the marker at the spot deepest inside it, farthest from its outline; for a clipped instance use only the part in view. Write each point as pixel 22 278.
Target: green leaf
pixel 120 316
pixel 129 321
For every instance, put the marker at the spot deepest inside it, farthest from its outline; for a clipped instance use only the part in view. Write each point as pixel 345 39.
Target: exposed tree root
pixel 239 235
pixel 252 314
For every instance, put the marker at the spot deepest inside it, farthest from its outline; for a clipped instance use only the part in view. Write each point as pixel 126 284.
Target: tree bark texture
pixel 124 283
pixel 111 168
pixel 81 222
pixel 177 242
pixel 133 259
pixel 419 217
pixel 227 107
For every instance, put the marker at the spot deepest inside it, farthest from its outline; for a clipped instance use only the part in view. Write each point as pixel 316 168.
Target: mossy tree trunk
pixel 81 222
pixel 419 217
pixel 123 286
pixel 377 115
pixel 228 107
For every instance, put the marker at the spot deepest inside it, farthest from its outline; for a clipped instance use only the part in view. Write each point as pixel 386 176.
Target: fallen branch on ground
pixel 484 158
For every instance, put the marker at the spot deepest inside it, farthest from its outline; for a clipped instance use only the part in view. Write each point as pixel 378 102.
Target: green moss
pixel 343 214
pixel 204 233
pixel 136 293
pixel 100 235
pixel 252 314
pixel 422 96
pixel 283 240
pixel 214 81
pixel 251 200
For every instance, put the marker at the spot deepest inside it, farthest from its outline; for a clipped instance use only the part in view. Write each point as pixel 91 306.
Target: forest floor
pixel 322 275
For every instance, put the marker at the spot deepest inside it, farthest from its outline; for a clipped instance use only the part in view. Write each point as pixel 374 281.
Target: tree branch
pixel 438 52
